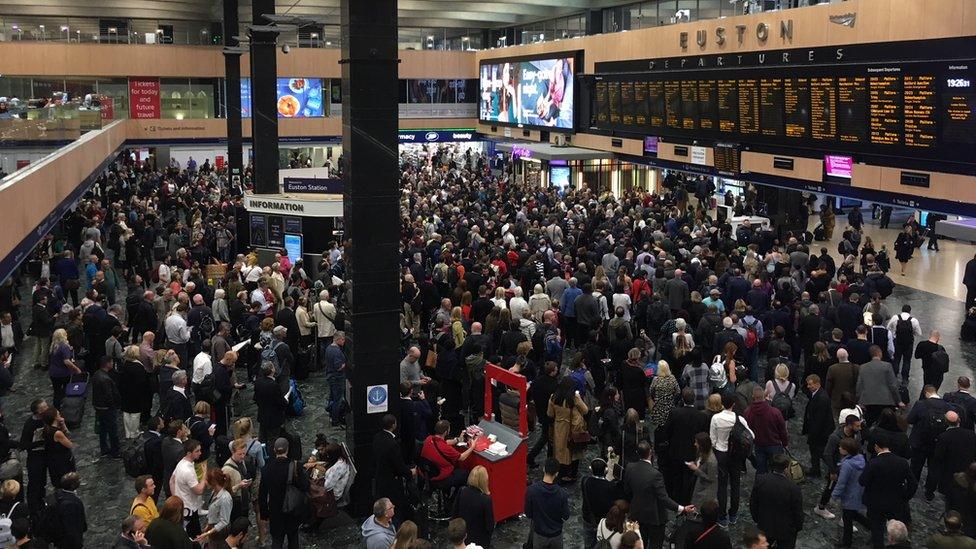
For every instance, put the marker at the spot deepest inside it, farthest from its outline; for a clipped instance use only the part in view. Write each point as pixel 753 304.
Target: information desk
pixel 506 474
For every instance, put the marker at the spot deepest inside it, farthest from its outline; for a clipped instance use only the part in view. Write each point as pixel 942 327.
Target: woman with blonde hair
pixel 499 299
pixel 663 392
pixel 457 327
pixel 61 365
pixel 781 383
pixel 406 535
pixel 473 504
pixel 10 507
pixel 137 396
pixel 539 302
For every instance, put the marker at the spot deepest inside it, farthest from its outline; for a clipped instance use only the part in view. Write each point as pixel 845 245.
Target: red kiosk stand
pixel 506 474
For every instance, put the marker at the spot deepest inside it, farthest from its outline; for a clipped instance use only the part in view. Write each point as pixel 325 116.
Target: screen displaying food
pixel 297 98
pixel 535 92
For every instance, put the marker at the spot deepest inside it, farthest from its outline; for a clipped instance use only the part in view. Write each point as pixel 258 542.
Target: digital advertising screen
pixel 559 177
pixel 535 92
pixel 650 144
pixel 839 166
pixel 297 98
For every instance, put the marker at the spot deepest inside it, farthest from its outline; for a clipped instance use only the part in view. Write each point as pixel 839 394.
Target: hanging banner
pixel 107 107
pixel 144 98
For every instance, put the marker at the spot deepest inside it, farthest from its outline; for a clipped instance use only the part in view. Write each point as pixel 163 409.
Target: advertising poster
pixel 839 166
pixel 144 98
pixel 293 245
pixel 293 225
pixel 107 107
pixel 259 230
pixel 532 93
pixel 276 232
pixel 297 98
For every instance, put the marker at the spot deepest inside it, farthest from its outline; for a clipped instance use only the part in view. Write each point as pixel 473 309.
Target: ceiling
pixel 412 13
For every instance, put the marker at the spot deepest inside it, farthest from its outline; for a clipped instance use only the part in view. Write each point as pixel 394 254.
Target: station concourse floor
pixel 932 286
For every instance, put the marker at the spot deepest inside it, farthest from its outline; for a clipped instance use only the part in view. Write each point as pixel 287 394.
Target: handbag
pixel 579 440
pixel 794 471
pixel 322 502
pixel 295 499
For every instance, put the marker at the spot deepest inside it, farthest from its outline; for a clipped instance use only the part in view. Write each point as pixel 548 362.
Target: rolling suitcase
pixel 75 400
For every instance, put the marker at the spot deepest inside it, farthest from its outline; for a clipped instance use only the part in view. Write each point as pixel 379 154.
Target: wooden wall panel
pixel 216 128
pixel 599 142
pixel 807 169
pixel 514 133
pixel 866 177
pixel 957 188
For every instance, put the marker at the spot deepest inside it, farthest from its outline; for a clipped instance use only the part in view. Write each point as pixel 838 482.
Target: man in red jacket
pixel 769 428
pixel 443 453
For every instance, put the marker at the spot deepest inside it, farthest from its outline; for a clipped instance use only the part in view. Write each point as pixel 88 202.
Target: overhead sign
pixel 310 185
pixel 699 155
pixel 144 98
pixel 437 136
pixel 276 204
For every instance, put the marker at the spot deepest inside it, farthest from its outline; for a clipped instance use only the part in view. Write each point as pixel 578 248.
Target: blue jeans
pixel 337 397
pixel 764 454
pixel 108 430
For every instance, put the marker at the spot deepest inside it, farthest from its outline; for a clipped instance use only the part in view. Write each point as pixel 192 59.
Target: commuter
pixel 848 490
pixel 473 504
pixel 888 486
pixel 776 504
pixel 730 463
pixel 278 475
pixel 547 506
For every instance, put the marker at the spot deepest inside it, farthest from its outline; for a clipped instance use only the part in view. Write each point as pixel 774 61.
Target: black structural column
pixel 264 100
pixel 232 94
pixel 371 211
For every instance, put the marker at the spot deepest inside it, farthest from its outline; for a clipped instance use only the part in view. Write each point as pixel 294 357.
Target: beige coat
pixel 566 420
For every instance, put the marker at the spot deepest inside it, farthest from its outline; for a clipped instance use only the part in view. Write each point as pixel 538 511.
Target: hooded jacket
pixel 377 536
pixel 848 490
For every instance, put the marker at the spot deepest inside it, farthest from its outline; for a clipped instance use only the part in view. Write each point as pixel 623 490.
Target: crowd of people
pixel 666 350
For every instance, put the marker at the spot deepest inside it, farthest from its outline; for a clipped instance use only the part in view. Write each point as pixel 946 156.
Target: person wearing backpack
pixel 928 421
pixel 768 424
pixel 905 328
pixel 781 391
pixel 732 441
pixel 935 360
pixel 63 521
pixel 752 342
pixel 280 476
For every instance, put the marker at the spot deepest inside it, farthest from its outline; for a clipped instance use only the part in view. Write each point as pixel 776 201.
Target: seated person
pixel 440 451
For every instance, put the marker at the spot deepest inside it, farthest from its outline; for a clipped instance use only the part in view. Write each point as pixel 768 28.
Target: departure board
pixel 885 96
pixel 707 104
pixel 771 106
pixel 796 107
pixel 728 106
pixel 920 121
pixel 727 159
pixel 602 108
pixel 924 109
pixel 748 106
pixel 627 102
pixel 689 105
pixel 641 112
pixel 852 105
pixel 655 101
pixel 672 93
pixel 959 122
pixel 823 109
pixel 614 103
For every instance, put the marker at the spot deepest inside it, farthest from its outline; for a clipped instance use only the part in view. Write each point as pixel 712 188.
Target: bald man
pixel 841 378
pixel 477 340
pixel 954 451
pixel 928 420
pixel 935 360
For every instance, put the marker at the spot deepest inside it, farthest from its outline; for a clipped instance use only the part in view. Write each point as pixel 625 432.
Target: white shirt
pixel 182 483
pixel 202 367
pixel 176 329
pixel 165 275
pixel 258 296
pixel 518 306
pixel 7 335
pixel 251 274
pixel 720 428
pixel 622 300
pixel 893 323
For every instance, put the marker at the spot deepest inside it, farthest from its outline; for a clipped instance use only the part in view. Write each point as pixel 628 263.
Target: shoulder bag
pixel 294 502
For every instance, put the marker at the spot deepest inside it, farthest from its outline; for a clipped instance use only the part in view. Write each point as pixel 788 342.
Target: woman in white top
pixel 782 382
pixel 681 326
pixel 499 299
pixel 613 526
pixel 220 311
pixel 622 299
pixel 539 303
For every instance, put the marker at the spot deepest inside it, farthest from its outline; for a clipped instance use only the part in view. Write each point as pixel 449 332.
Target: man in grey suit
pixel 877 387
pixel 676 291
pixel 644 489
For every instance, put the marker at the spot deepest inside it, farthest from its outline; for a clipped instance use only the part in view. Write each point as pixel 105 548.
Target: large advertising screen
pixel 297 98
pixel 529 92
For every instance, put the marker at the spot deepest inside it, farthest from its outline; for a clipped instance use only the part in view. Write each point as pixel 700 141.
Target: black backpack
pixel 935 424
pixel 134 458
pixel 782 401
pixel 741 441
pixel 940 359
pixel 904 332
pixel 49 524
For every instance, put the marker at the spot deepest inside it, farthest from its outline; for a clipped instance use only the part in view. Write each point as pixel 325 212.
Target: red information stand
pixel 506 474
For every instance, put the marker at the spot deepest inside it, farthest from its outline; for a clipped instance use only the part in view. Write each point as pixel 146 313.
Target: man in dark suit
pixel 680 430
pixel 152 447
pixel 286 317
pixel 171 451
pixel 271 402
pixel 954 451
pixel 927 418
pixel 644 489
pixel 818 422
pixel 598 495
pixel 776 505
pixel 72 512
pixel 841 378
pixel 888 487
pixel 962 398
pixel 178 402
pixel 271 495
pixel 391 469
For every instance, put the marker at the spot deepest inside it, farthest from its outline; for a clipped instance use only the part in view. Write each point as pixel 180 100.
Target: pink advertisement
pixel 839 166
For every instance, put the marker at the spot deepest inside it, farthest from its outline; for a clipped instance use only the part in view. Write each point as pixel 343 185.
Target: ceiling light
pixel 464 39
pixel 40 27
pixel 64 28
pixel 112 30
pixel 159 31
pixel 314 35
pixel 15 27
pixel 328 42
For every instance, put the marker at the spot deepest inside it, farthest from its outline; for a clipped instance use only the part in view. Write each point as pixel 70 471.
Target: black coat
pixel 178 405
pixel 477 511
pixel 135 387
pixel 286 317
pixel 967 403
pixel 271 402
pixel 888 486
pixel 171 451
pixel 274 483
pixel 390 468
pixel 42 323
pixel 954 451
pixel 776 504
pixel 644 488
pixel 73 520
pixel 818 418
pixel 153 447
pixel 683 424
